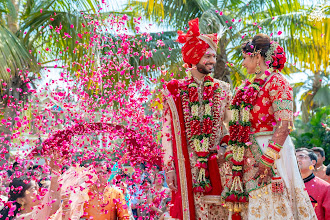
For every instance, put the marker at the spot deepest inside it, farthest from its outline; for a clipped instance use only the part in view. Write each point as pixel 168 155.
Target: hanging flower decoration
pixel 200 132
pixel 240 130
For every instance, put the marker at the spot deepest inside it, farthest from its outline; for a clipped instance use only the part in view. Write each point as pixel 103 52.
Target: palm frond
pixel 13 55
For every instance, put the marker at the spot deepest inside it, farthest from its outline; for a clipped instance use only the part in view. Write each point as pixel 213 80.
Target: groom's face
pixel 207 62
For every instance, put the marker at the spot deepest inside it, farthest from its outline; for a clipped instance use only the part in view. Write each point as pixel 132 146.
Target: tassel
pixel 230 207
pixel 201 176
pixel 277 185
pixel 236 208
pixel 236 216
pixel 237 185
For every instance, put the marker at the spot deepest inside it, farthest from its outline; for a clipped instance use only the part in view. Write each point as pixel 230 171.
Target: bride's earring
pixel 258 69
pixel 22 206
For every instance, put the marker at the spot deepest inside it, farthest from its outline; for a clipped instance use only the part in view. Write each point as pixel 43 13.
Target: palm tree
pixel 306 41
pixel 232 18
pixel 34 34
pixel 316 62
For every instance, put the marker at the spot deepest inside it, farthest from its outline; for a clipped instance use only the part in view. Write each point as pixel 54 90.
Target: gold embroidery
pixel 182 168
pixel 282 105
pixel 212 199
pixel 273 93
pixel 281 210
pixel 303 211
pixel 271 110
pixel 283 90
pixel 263 129
pixel 265 101
pixel 283 115
pixel 255 211
pixel 256 108
pixel 262 117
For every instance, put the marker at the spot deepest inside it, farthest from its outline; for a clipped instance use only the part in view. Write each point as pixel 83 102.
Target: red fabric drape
pixel 213 169
pixel 176 210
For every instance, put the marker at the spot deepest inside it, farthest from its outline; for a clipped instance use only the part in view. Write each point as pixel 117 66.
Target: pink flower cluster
pixel 279 58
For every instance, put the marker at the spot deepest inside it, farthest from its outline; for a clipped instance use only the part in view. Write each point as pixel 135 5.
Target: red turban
pixel 196 44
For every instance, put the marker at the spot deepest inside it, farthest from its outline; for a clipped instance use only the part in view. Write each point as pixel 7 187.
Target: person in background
pixel 144 173
pixel 23 199
pixel 320 168
pixel 43 186
pixel 14 168
pixel 166 211
pixel 17 170
pixel 143 198
pixel 318 189
pixel 64 168
pixel 105 201
pixel 135 194
pixel 123 182
pixel 158 195
pixel 3 191
pixel 35 172
pixel 327 172
pixel 155 171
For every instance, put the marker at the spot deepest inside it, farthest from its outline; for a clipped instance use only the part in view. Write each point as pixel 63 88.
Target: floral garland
pixel 240 129
pixel 200 135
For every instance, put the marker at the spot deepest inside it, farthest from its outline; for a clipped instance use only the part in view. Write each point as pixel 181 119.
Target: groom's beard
pixel 203 68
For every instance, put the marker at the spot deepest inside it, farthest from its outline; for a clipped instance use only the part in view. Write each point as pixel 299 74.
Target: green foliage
pixel 316 133
pixel 304 41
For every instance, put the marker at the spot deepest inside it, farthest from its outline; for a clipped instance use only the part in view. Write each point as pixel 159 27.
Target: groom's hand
pixel 171 180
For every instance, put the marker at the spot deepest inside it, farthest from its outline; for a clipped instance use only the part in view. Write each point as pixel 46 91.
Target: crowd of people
pixel 317 181
pixel 90 191
pixel 39 192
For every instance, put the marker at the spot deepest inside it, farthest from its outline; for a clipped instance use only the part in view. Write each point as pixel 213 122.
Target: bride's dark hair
pixel 18 187
pixel 259 42
pixel 272 52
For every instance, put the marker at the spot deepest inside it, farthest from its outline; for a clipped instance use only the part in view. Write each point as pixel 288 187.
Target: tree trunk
pixel 12 22
pixel 221 70
pixel 5 132
pixel 10 106
pixel 308 104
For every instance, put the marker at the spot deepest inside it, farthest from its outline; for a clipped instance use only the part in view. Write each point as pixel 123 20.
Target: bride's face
pixel 250 63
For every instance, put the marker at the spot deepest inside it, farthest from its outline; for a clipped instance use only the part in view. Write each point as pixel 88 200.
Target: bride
pixel 265 181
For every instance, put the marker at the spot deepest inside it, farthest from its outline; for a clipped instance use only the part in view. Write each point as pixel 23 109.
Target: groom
pixel 195 111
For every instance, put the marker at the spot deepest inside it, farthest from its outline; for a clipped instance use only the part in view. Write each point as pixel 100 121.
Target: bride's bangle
pixel 55 173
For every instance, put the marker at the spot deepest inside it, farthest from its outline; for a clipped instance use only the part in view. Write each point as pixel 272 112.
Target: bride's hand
pixel 264 172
